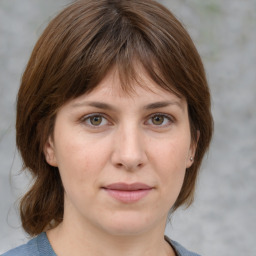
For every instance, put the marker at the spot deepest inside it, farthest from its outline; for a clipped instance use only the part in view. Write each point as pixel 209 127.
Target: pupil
pixel 158 120
pixel 96 120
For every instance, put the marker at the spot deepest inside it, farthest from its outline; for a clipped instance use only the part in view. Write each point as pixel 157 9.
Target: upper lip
pixel 128 187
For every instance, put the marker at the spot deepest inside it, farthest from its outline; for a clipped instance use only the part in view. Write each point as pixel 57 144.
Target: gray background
pixel 222 221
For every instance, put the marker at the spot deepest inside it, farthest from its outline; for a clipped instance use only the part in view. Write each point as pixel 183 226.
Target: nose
pixel 129 150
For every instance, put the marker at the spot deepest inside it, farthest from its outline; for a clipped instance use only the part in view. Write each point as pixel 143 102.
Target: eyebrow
pixel 95 104
pixel 105 106
pixel 162 104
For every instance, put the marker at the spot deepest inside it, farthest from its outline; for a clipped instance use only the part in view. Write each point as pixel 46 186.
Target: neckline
pixel 45 248
pixel 170 242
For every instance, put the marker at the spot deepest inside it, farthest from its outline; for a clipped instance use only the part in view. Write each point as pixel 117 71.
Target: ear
pixel 192 150
pixel 49 152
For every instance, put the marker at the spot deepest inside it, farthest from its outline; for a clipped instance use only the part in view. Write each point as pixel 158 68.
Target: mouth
pixel 128 193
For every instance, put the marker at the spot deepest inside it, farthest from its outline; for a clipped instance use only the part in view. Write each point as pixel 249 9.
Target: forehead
pixel 142 91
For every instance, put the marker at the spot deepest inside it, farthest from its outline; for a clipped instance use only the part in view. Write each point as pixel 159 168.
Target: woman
pixel 113 121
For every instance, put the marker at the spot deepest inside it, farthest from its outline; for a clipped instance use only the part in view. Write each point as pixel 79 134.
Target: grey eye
pixel 95 120
pixel 158 120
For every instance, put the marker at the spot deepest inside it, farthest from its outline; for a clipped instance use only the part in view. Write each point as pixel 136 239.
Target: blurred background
pixel 222 221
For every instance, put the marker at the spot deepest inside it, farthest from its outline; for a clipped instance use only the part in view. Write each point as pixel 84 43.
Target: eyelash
pixel 167 118
pixel 86 118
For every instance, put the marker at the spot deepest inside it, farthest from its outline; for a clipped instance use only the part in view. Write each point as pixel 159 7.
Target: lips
pixel 128 193
pixel 128 187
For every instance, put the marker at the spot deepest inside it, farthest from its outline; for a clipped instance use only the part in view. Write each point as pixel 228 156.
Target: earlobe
pixel 49 152
pixel 192 151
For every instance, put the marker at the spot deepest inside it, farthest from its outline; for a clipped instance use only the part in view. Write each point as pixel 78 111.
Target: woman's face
pixel 122 158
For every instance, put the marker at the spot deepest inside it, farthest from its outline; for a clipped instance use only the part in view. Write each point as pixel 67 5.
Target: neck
pixel 71 239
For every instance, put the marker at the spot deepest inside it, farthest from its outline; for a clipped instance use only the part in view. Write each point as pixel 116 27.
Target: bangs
pixel 115 40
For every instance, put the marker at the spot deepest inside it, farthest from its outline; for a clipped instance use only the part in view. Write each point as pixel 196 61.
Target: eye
pixel 160 120
pixel 95 120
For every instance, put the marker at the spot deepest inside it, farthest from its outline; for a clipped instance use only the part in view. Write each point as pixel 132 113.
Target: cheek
pixel 170 161
pixel 172 154
pixel 80 161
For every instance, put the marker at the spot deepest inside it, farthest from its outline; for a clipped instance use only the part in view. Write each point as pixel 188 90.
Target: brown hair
pixel 73 55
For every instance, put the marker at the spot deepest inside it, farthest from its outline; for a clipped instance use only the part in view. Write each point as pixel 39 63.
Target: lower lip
pixel 128 196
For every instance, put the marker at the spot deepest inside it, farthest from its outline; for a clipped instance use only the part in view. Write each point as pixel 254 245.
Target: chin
pixel 129 224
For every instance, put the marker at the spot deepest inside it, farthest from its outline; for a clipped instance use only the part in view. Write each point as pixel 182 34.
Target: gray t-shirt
pixel 40 246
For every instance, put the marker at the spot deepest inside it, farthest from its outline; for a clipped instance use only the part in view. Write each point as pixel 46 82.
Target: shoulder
pixel 37 246
pixel 29 248
pixel 179 249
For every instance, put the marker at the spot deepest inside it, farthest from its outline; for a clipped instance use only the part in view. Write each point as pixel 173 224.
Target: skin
pixel 109 136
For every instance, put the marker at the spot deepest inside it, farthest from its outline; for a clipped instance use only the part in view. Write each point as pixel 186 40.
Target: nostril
pixel 119 165
pixel 128 167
